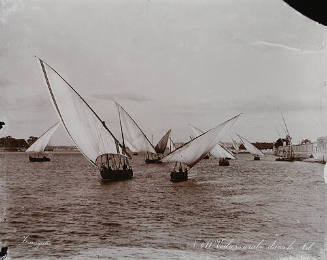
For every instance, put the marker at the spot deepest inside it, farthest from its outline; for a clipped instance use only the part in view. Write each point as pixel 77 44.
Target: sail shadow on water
pixel 86 129
pixel 189 154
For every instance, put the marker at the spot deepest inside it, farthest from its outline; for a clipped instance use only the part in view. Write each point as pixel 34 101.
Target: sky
pixel 168 63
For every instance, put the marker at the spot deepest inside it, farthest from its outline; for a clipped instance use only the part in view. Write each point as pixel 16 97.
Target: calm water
pixel 63 205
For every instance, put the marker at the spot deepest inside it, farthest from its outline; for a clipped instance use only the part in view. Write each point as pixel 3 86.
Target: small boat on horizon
pixel 251 148
pixel 160 148
pixel 219 151
pixel 135 138
pixel 288 155
pixel 38 147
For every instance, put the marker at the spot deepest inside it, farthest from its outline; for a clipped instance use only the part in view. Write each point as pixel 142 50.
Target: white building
pixel 317 150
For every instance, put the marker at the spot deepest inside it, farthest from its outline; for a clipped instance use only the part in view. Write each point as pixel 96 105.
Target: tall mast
pixel 48 83
pixel 135 124
pixel 285 124
pixel 121 129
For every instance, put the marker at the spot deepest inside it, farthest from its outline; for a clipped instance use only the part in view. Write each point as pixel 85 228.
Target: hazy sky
pixel 169 63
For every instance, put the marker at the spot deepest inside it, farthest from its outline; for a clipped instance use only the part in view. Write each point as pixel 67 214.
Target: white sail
pixel 193 151
pixel 134 137
pixel 235 145
pixel 171 146
pixel 250 147
pixel 218 151
pixel 39 145
pixel 82 124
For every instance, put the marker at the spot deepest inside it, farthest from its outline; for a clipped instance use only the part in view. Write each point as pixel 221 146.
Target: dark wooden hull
pixel 256 158
pixel 281 159
pixel 223 162
pixel 206 157
pixel 116 175
pixel 39 159
pixel 148 160
pixel 178 176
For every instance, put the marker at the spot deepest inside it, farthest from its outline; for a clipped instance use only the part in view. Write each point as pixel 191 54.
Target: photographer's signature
pixel 27 241
pixel 262 245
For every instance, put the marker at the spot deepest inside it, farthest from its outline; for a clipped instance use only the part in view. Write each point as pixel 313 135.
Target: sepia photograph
pixel 163 129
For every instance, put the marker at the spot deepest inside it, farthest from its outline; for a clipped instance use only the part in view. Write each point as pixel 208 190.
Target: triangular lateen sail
pixel 162 144
pixel 250 147
pixel 134 137
pixel 39 145
pixel 83 125
pixel 171 146
pixel 218 151
pixel 193 151
pixel 235 145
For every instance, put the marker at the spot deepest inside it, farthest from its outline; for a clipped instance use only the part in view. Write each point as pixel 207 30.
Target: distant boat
pixel 135 138
pixel 218 151
pixel 90 134
pixel 193 151
pixel 236 146
pixel 251 148
pixel 160 148
pixel 40 144
pixel 288 154
pixel 171 146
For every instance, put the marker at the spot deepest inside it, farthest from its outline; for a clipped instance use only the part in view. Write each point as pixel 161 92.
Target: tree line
pixel 11 142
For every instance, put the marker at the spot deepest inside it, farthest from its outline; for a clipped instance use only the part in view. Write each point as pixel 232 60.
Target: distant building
pixel 321 148
pixel 317 150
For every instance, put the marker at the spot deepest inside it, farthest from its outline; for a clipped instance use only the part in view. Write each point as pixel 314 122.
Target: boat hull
pixel 157 160
pixel 256 158
pixel 206 157
pixel 39 159
pixel 285 159
pixel 116 175
pixel 223 162
pixel 178 176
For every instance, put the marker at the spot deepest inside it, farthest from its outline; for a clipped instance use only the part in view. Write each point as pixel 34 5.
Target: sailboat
pixel 193 151
pixel 161 146
pixel 171 146
pixel 219 151
pixel 235 145
pixel 39 145
pixel 251 148
pixel 288 155
pixel 207 155
pixel 135 138
pixel 90 134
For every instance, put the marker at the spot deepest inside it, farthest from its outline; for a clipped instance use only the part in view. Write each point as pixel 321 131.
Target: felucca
pixel 90 134
pixel 161 146
pixel 251 148
pixel 38 147
pixel 135 138
pixel 193 151
pixel 218 151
